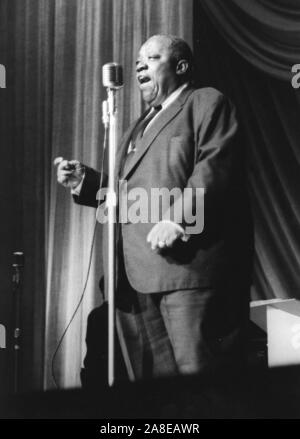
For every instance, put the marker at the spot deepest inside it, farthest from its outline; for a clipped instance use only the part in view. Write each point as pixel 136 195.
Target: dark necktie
pixel 137 134
pixel 141 126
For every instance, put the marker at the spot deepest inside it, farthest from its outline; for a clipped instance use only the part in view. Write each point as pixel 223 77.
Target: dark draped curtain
pixel 265 32
pixel 252 65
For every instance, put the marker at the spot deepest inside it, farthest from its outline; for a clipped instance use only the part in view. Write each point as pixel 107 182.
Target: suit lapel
pixel 124 144
pixel 122 149
pixel 156 127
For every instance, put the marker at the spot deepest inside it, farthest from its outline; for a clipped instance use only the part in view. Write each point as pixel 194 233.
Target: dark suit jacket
pixel 193 143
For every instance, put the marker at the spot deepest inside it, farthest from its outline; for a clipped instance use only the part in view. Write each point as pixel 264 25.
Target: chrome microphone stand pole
pixel 111 206
pixel 112 79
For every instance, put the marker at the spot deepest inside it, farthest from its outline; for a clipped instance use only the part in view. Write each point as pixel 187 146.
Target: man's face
pixel 155 71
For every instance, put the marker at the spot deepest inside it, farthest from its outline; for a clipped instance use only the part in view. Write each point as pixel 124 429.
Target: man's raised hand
pixel 69 172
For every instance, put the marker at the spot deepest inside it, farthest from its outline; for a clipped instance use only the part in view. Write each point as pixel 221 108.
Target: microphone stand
pixel 111 202
pixel 17 289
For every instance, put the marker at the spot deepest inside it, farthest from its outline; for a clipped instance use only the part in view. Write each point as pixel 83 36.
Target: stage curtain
pixel 264 32
pixel 54 51
pixel 268 110
pixel 26 50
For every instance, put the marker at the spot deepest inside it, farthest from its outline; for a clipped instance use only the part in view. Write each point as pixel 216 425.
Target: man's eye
pixel 153 57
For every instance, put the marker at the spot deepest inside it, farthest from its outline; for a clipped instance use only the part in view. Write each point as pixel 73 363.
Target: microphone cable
pixel 54 355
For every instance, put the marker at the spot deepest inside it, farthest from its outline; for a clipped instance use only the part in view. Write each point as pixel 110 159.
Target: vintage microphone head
pixel 112 75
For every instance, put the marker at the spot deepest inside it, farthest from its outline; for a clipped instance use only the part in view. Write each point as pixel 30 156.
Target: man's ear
pixel 182 67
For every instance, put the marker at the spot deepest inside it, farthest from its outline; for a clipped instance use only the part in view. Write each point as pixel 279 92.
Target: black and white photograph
pixel 150 212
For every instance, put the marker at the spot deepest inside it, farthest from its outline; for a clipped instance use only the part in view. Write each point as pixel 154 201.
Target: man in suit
pixel 182 291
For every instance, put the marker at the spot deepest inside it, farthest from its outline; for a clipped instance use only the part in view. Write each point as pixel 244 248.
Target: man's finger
pixel 154 241
pixel 62 180
pixel 66 172
pixel 174 236
pixel 154 244
pixel 57 161
pixel 150 234
pixel 170 241
pixel 74 163
pixel 64 164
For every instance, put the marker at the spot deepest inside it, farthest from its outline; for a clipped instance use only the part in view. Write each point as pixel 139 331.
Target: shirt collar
pixel 172 97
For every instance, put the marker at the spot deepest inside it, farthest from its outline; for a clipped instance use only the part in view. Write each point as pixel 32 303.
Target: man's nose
pixel 141 66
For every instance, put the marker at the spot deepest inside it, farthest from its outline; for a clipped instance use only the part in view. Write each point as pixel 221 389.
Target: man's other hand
pixel 164 234
pixel 70 173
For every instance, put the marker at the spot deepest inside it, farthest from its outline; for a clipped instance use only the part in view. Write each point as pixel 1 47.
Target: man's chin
pixel 148 97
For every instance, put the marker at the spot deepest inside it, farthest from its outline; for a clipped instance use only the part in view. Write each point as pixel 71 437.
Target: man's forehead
pixel 160 44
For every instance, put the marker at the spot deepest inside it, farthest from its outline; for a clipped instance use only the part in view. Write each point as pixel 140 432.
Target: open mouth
pixel 143 79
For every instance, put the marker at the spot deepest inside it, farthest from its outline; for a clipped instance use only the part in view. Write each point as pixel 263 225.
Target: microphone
pixel 112 75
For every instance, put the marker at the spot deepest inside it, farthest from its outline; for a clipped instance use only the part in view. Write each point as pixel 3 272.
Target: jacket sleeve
pixel 90 187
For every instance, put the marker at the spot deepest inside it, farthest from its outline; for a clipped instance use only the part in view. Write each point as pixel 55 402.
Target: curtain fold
pixel 265 32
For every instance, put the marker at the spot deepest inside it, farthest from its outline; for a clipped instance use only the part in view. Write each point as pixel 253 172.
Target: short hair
pixel 179 49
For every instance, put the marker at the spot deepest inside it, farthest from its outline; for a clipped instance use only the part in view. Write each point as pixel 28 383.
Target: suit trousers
pixel 167 334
